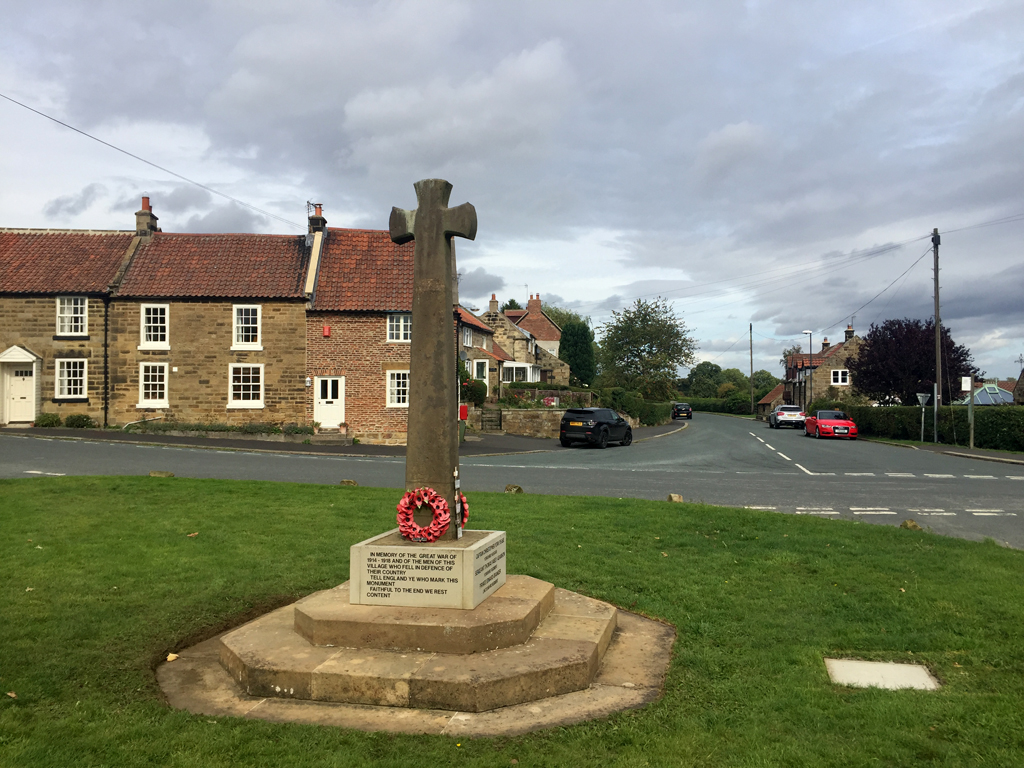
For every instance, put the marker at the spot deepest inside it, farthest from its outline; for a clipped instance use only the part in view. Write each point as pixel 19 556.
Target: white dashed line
pixel 981 477
pixel 784 456
pixel 899 474
pixel 768 447
pixel 1015 477
pixel 760 439
pixel 805 469
pixel 937 514
pixel 927 475
pixel 767 509
pixel 869 509
pixel 928 509
pixel 859 474
pixel 816 511
pixel 33 472
pixel 874 512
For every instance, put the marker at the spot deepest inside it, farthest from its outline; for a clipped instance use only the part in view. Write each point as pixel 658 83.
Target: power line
pixel 152 164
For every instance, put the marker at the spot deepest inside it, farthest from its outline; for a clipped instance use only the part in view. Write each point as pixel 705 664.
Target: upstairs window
pixel 154 332
pixel 247 331
pixel 72 316
pixel 71 380
pixel 400 327
pixel 467 337
pixel 840 377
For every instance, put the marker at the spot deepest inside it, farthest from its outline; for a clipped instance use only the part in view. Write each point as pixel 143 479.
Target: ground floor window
pixel 153 385
pixel 246 386
pixel 71 378
pixel 398 389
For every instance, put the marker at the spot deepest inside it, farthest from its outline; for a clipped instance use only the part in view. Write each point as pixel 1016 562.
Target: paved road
pixel 716 459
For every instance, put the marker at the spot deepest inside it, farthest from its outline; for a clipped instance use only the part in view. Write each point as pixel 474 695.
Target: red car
pixel 830 424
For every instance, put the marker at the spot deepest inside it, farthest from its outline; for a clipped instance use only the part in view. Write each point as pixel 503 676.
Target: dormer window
pixel 72 316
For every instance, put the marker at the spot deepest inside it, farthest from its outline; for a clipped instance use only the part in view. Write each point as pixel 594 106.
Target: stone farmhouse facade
pixel 530 360
pixel 125 326
pixel 535 321
pixel 821 374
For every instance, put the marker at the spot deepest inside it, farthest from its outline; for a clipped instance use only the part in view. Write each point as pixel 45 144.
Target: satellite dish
pixel 463 356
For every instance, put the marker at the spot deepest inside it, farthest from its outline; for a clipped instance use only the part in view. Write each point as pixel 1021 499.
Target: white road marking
pixel 939 514
pixel 859 474
pixel 784 456
pixel 815 511
pixel 762 508
pixel 760 439
pixel 874 512
pixel 768 447
pixel 899 474
pixel 753 435
pixel 33 472
pixel 1015 477
pixel 805 469
pixel 927 475
pixel 40 472
pixel 980 510
pixel 981 477
pixel 928 509
pixel 994 514
pixel 869 509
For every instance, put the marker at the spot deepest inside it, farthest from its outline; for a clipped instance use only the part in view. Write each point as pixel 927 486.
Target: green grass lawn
pixel 100 580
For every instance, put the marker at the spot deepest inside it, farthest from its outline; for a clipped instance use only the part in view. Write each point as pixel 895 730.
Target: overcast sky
pixel 750 161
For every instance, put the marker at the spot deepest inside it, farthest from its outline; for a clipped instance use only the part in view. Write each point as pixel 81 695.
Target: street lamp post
pixel 809 392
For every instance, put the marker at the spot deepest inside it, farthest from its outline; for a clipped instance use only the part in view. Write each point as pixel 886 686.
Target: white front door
pixel 329 406
pixel 21 393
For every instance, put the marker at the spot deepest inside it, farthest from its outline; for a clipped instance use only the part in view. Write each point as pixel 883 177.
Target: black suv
pixel 682 411
pixel 598 426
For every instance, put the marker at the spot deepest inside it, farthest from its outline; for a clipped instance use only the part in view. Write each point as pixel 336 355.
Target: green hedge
pixel 474 391
pixel 632 403
pixel 48 420
pixel 740 405
pixel 547 386
pixel 996 427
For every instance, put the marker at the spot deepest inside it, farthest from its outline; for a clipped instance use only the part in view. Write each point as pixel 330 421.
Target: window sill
pixel 246 348
pixel 71 337
pixel 399 341
pixel 70 400
pixel 154 347
pixel 248 405
pixel 398 405
pixel 153 405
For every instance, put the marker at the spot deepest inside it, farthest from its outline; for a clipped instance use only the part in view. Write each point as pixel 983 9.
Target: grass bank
pixel 101 579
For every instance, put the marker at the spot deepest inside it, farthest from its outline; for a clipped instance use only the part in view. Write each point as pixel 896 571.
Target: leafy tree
pixel 725 389
pixel 704 380
pixel 510 304
pixel 896 360
pixel 796 349
pixel 738 378
pixel 577 349
pixel 561 316
pixel 643 346
pixel 763 380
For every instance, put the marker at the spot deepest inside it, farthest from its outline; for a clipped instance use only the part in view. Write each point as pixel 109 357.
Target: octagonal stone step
pixel 508 617
pixel 267 657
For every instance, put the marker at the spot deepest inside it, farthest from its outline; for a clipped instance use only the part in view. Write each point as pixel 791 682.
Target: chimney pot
pixel 145 221
pixel 145 204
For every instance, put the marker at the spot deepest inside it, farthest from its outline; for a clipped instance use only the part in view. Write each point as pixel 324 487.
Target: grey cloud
pixel 226 218
pixel 66 206
pixel 479 283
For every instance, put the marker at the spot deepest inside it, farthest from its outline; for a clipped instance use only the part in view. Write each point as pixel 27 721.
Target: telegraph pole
pixel 751 367
pixel 938 337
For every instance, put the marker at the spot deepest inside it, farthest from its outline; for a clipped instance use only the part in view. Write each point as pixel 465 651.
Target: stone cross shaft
pixel 432 447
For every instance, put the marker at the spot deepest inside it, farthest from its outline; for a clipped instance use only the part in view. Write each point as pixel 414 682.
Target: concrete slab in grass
pixel 880 674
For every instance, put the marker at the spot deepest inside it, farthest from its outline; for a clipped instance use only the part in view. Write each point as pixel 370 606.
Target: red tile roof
pixel 514 314
pixel 772 396
pixel 538 324
pixel 498 354
pixel 216 265
pixel 362 270
pixel 53 261
pixel 468 318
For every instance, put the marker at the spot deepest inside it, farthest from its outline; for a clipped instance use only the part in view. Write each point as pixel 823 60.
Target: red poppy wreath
pixel 421 497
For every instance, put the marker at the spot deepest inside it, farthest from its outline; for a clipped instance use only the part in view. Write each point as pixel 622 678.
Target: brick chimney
pixel 849 332
pixel 317 222
pixel 825 344
pixel 145 221
pixel 493 306
pixel 533 305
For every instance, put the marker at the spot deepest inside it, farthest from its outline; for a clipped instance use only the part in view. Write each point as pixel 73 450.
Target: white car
pixel 787 416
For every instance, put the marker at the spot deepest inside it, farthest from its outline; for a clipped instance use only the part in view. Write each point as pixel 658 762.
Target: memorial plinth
pixel 390 570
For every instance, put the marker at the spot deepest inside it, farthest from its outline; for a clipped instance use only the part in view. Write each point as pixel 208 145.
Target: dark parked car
pixel 597 426
pixel 682 411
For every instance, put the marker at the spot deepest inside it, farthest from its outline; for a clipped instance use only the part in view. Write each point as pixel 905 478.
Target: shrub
pixel 996 427
pixel 48 420
pixel 297 429
pixel 259 428
pixel 474 391
pixel 79 421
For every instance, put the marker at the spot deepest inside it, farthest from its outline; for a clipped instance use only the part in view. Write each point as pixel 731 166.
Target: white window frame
pixel 61 379
pixel 476 370
pixel 143 326
pixel 400 328
pixel 467 336
pixel 156 402
pixel 66 316
pixel 531 373
pixel 840 377
pixel 394 396
pixel 236 327
pixel 243 403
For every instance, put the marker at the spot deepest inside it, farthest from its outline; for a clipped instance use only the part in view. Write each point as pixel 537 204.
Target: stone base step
pixel 267 657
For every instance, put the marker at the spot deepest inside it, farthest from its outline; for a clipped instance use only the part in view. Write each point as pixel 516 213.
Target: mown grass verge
pixel 101 580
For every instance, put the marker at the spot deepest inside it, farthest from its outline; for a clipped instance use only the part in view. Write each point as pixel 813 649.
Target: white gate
pixel 329 405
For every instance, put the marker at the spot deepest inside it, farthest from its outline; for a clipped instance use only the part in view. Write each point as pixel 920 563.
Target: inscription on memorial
pixel 388 570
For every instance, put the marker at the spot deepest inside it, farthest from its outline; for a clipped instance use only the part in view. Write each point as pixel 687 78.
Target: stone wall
pixel 531 422
pixel 200 336
pixel 31 322
pixel 358 349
